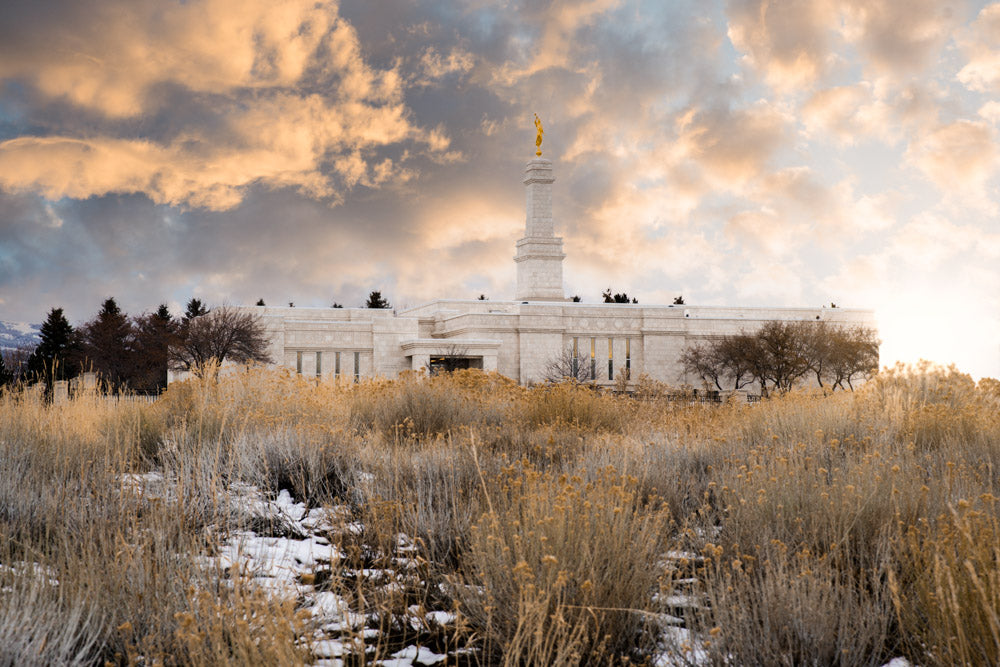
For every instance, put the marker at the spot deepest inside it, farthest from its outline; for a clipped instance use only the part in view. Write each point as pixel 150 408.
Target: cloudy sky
pixel 748 152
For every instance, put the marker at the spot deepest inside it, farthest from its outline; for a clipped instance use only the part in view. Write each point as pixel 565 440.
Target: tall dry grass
pixel 810 529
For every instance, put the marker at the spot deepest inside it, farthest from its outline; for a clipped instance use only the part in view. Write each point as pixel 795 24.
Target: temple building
pixel 521 338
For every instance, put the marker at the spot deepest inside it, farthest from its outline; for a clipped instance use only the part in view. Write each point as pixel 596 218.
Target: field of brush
pixel 261 518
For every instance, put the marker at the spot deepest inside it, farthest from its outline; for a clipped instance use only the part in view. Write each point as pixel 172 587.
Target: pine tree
pixel 108 345
pixel 6 377
pixel 57 354
pixel 154 334
pixel 195 308
pixel 617 298
pixel 375 300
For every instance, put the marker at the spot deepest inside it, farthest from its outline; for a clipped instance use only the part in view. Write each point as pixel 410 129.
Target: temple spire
pixel 540 253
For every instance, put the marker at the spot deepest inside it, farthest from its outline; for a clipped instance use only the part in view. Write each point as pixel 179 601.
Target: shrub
pixel 947 585
pixel 559 571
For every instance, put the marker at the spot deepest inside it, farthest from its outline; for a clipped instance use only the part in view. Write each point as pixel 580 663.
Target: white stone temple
pixel 520 338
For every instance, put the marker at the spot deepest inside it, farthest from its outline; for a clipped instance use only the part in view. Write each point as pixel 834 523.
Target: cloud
pixel 900 38
pixel 981 44
pixel 795 44
pixel 930 239
pixel 313 151
pixel 770 282
pixel 434 65
pixel 788 42
pixel 109 56
pixel 959 157
pixel 848 113
pixel 732 146
pixel 764 232
pixel 293 104
pixel 555 43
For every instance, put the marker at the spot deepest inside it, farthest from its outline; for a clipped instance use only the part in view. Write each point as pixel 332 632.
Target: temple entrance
pixel 446 364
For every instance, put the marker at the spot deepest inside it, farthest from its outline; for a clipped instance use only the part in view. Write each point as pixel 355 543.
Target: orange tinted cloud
pixel 294 105
pixel 111 58
pixel 733 147
pixel 959 157
pixel 787 41
pixel 899 38
pixel 982 46
pixel 794 44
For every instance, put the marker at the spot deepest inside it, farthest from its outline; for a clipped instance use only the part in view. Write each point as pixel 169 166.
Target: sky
pixel 740 153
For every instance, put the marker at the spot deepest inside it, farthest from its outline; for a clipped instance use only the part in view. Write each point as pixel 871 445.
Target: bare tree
pixel 780 354
pixel 224 334
pixel 567 367
pixel 726 361
pixel 705 361
pixel 853 355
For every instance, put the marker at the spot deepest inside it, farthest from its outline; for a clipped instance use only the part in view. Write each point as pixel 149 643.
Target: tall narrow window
pixel 319 364
pixel 336 364
pixel 298 362
pixel 576 357
pixel 593 358
pixel 611 359
pixel 357 366
pixel 628 358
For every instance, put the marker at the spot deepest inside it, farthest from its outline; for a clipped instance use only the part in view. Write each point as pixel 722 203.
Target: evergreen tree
pixel 195 308
pixel 260 302
pixel 154 334
pixel 57 354
pixel 617 298
pixel 6 377
pixel 108 345
pixel 375 300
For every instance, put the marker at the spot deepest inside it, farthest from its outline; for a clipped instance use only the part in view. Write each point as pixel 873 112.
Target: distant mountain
pixel 18 334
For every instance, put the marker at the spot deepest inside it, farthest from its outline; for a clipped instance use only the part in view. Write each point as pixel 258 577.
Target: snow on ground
pixel 285 564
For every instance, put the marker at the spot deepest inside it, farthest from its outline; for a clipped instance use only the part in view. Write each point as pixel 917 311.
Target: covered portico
pixel 436 354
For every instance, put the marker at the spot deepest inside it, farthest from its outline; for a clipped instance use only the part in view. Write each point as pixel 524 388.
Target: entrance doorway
pixel 446 364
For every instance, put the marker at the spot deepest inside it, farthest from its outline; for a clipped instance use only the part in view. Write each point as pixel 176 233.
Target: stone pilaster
pixel 539 254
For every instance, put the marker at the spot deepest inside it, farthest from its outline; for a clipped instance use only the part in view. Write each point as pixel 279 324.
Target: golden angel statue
pixel 538 137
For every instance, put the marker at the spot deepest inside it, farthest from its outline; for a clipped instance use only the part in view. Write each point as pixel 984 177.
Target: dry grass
pixel 561 570
pixel 828 529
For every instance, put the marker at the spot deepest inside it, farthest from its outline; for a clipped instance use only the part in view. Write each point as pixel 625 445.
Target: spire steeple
pixel 539 254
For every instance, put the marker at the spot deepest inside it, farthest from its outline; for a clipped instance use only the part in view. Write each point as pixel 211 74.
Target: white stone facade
pixel 518 338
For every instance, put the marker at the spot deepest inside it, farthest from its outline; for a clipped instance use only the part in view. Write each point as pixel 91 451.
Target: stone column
pixel 539 254
pixel 420 360
pixel 489 362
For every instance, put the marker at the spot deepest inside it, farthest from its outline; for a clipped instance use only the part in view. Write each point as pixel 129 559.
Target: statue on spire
pixel 538 136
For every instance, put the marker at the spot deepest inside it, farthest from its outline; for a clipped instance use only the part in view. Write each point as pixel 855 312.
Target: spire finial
pixel 538 136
